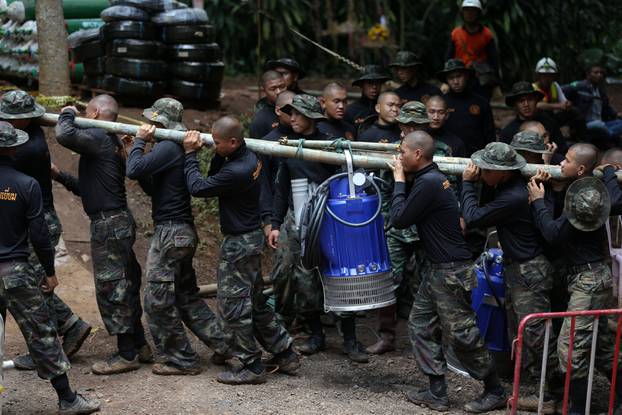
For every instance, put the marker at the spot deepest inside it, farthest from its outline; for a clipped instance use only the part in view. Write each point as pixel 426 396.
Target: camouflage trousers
pixel 442 307
pixel 297 291
pixel 172 300
pixel 528 287
pixel 61 315
pixel 241 302
pixel 20 293
pixel 589 289
pixel 116 271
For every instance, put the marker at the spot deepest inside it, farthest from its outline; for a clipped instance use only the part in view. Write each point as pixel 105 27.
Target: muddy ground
pixel 327 384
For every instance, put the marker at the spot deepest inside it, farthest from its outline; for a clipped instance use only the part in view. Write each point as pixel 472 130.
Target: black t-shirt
pixel 470 118
pixel 510 213
pixel 359 110
pixel 237 181
pixel 419 92
pixel 264 121
pixel 458 149
pixel 549 123
pixel 433 207
pixel 21 218
pixel 377 133
pixel 101 179
pixel 161 174
pixel 33 159
pixel 337 129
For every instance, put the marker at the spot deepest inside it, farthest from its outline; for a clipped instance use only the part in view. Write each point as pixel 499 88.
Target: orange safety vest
pixel 471 47
pixel 549 96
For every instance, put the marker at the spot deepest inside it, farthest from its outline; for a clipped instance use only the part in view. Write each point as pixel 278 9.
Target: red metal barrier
pixel 518 349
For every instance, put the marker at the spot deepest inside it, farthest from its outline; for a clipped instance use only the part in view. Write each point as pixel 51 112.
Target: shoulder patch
pixel 274 125
pixel 359 120
pixel 349 135
pixel 446 185
pixel 425 98
pixel 474 109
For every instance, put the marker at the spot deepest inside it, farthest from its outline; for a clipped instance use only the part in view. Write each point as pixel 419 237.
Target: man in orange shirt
pixel 473 43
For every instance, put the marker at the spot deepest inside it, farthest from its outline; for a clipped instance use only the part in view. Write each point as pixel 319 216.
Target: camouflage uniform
pixel 171 297
pixel 241 302
pixel 21 295
pixel 117 272
pixel 442 307
pixel 590 289
pixel 61 315
pixel 528 290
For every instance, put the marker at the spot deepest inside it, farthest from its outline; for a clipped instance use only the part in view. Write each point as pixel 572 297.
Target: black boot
pixel 578 395
pixel 435 397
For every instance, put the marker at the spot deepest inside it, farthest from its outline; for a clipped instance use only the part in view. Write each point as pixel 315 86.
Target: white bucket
pixel 300 196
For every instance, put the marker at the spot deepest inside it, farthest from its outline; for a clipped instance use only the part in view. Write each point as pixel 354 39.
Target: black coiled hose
pixel 313 216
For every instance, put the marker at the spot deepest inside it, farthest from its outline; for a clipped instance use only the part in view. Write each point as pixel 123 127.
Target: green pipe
pixel 73 9
pixel 73 25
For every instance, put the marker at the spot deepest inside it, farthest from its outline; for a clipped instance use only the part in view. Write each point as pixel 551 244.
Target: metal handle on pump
pixel 350 167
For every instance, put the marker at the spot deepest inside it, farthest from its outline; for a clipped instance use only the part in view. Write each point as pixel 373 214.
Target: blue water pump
pixel 488 300
pixel 344 226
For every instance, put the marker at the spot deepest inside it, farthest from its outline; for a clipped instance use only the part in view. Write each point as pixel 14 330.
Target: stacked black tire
pixel 134 66
pixel 195 66
pixel 87 46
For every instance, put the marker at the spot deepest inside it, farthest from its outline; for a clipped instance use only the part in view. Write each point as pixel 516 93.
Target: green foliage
pixel 526 30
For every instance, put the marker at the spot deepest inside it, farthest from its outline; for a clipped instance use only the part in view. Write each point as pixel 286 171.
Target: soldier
pixel 436 107
pixel 407 65
pixel 385 129
pixel 473 43
pixel 171 294
pixel 291 71
pixel 535 126
pixel 101 185
pixel 470 116
pixel 441 305
pixel 22 219
pixel 305 110
pixel 33 159
pixel 334 100
pixel 531 146
pixel 580 231
pixel 370 83
pixel 265 119
pixel 528 273
pixel 235 177
pixel 524 99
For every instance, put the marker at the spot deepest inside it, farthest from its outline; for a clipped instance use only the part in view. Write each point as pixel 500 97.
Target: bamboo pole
pixel 448 165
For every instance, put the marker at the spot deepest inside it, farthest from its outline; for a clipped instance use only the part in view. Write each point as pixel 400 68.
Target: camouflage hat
pixel 498 156
pixel 307 105
pixel 405 59
pixel 372 73
pixel 288 63
pixel 529 141
pixel 413 112
pixel 587 204
pixel 19 104
pixel 168 112
pixel 520 89
pixel 10 136
pixel 452 65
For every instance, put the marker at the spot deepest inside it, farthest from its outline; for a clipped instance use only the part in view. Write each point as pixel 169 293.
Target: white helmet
pixel 546 65
pixel 472 3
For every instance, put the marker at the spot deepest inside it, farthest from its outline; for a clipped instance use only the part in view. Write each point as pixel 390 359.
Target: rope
pixel 341 144
pixel 314 43
pixel 300 148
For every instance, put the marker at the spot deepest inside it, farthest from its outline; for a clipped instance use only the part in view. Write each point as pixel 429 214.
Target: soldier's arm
pixel 160 158
pixel 223 183
pixel 73 138
pixel 550 228
pixel 70 182
pixel 37 229
pixel 282 188
pixel 491 214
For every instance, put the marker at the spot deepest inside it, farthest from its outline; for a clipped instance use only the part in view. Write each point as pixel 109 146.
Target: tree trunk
pixel 53 48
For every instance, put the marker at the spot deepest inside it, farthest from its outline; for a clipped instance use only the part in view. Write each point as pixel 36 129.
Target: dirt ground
pixel 327 384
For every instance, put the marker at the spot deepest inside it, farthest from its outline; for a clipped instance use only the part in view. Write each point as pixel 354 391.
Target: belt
pixel 10 262
pixel 106 214
pixel 449 265
pixel 509 261
pixel 174 222
pixel 575 269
